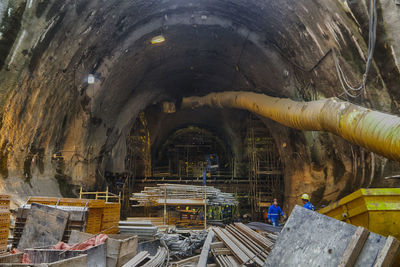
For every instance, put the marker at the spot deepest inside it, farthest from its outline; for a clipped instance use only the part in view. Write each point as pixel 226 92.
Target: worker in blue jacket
pixel 307 203
pixel 274 212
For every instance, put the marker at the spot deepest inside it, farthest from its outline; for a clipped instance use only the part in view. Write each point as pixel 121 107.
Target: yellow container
pixel 376 209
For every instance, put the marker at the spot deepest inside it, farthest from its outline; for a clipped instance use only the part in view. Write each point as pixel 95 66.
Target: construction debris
pixel 143 229
pixel 242 246
pixel 76 221
pixel 144 259
pixel 138 259
pixel 328 243
pixel 206 249
pixel 259 226
pixel 17 260
pixel 180 246
pixel 159 259
pixel 44 226
pixel 312 239
pixel 95 255
pixel 156 221
pixel 120 248
pixel 175 194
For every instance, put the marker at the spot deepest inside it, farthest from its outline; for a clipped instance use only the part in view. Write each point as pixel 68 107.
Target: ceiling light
pixel 158 39
pixel 90 79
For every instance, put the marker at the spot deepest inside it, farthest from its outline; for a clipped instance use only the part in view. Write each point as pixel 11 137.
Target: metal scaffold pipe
pixel 376 131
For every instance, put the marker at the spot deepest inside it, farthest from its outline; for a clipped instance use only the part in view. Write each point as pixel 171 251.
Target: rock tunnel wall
pixel 59 132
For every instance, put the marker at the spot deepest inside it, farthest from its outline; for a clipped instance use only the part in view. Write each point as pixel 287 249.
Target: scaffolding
pixel 265 168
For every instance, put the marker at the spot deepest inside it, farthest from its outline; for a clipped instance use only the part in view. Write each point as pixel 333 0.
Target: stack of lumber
pixel 157 221
pixel 111 216
pixel 173 194
pixel 143 229
pixel 4 221
pixel 239 245
pixel 259 226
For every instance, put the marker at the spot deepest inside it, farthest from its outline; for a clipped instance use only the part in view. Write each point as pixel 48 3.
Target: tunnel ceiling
pixel 280 48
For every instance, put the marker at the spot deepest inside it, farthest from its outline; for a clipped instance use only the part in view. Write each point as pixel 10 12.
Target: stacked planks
pixel 157 221
pixel 4 221
pixel 239 245
pixel 174 194
pixel 145 230
pixel 111 216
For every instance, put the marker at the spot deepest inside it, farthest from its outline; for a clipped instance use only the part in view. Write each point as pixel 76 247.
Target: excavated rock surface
pixel 59 132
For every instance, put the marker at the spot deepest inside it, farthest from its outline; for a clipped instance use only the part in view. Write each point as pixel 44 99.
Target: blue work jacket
pixel 309 206
pixel 274 212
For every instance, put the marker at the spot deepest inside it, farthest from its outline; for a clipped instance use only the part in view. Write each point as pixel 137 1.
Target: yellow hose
pixel 376 131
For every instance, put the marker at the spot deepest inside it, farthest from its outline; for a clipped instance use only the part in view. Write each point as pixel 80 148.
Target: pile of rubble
pixel 44 229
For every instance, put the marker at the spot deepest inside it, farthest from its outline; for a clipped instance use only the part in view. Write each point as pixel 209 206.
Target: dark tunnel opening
pixel 205 147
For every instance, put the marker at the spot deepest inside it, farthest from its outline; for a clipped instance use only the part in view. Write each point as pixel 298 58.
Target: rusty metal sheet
pixel 44 227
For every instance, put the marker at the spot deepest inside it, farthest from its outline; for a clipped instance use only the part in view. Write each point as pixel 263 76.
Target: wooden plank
pixel 252 256
pixel 188 260
pixel 217 245
pixel 242 257
pixel 222 251
pixel 206 249
pixel 249 244
pixel 44 227
pixel 388 253
pixel 354 247
pixel 135 261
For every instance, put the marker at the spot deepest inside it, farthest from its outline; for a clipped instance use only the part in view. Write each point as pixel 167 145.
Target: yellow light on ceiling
pixel 158 39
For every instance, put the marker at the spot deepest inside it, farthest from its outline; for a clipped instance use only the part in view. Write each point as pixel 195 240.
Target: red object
pixel 61 246
pixel 26 259
pixel 94 241
pixel 25 256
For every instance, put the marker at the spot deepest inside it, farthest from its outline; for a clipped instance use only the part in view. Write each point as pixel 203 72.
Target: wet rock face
pixel 58 128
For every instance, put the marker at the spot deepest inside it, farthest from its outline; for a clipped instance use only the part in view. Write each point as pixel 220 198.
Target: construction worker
pixel 307 203
pixel 274 212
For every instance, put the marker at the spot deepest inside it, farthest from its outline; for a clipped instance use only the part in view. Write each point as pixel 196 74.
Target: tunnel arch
pixel 279 48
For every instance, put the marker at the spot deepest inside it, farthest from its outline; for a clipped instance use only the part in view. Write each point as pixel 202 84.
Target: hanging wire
pixel 350 90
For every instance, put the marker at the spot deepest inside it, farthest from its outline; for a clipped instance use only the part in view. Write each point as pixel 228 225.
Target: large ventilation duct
pixel 373 130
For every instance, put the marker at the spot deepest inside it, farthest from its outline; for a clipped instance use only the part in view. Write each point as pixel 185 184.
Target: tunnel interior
pixel 205 147
pixel 92 93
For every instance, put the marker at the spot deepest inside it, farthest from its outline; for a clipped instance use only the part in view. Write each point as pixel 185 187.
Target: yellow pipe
pixel 376 131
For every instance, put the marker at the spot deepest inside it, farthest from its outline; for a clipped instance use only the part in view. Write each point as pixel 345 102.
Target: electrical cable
pixel 350 90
